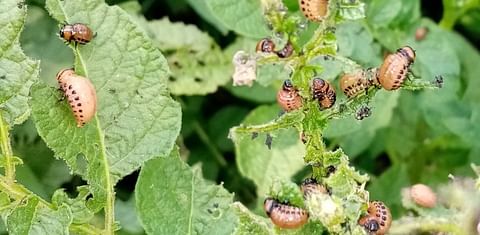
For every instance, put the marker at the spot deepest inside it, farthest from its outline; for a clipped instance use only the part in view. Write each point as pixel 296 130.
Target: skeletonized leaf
pixel 197 62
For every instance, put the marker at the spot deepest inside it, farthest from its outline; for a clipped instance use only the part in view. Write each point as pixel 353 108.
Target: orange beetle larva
pixel 285 216
pixel 288 97
pixel 286 51
pixel 310 186
pixel 80 93
pixel 354 83
pixel 395 67
pixel 378 219
pixel 76 32
pixel 324 93
pixel 314 10
pixel 265 45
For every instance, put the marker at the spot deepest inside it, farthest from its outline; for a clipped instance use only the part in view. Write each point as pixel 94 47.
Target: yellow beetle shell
pixel 314 10
pixel 80 93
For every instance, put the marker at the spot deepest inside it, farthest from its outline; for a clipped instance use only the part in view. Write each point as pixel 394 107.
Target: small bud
pixel 423 196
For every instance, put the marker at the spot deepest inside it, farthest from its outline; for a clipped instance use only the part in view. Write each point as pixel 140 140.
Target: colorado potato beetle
pixel 378 219
pixel 80 93
pixel 354 83
pixel 310 186
pixel 286 51
pixel 288 97
pixel 395 68
pixel 285 216
pixel 77 32
pixel 324 93
pixel 314 10
pixel 265 45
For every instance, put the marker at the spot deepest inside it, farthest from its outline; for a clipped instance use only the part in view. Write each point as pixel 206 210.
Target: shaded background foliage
pixel 412 136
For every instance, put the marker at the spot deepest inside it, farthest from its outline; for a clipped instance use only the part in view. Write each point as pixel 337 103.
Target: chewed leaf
pixel 261 164
pixel 17 72
pixel 198 64
pixel 136 118
pixel 174 199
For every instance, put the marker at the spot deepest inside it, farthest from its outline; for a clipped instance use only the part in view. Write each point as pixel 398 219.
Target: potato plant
pixel 188 137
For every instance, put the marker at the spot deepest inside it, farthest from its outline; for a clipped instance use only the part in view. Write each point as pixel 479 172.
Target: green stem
pixel 110 194
pixel 211 147
pixel 18 192
pixel 7 151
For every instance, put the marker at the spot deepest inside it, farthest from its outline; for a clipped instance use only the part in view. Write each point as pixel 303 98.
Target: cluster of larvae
pixel 390 76
pixel 377 221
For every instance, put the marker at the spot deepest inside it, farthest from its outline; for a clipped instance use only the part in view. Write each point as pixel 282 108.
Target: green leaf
pixel 78 207
pixel 256 93
pixel 20 220
pixel 17 72
pixel 171 198
pixel 197 62
pixel 126 214
pixel 263 165
pixel 220 123
pixel 136 118
pixel 355 136
pixel 41 29
pixel 30 217
pixel 243 17
pixel 201 7
pixel 355 42
pixel 249 223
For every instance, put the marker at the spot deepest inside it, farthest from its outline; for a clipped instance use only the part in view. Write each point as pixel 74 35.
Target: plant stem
pixel 211 147
pixel 109 190
pixel 7 151
pixel 18 192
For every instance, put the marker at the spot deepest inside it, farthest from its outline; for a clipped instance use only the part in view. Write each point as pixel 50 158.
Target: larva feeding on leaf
pixel 395 68
pixel 285 216
pixel 80 93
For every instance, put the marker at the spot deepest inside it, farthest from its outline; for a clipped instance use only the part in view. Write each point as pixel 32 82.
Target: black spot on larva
pixel 382 223
pixel 80 111
pixel 74 92
pixel 73 106
pixel 81 116
pixel 79 104
pixel 77 98
pixel 70 87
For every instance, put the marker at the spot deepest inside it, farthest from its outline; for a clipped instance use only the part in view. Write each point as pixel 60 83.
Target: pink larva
pixel 80 93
